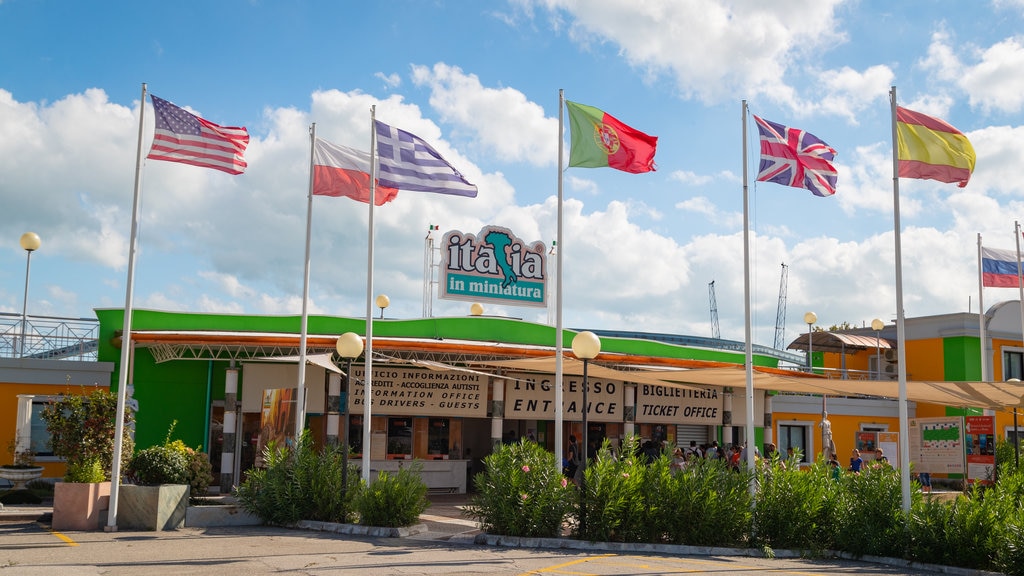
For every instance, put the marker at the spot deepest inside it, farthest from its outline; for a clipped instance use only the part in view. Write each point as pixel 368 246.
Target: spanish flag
pixel 929 148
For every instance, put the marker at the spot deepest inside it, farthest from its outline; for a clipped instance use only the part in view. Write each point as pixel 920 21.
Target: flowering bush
pixel 522 492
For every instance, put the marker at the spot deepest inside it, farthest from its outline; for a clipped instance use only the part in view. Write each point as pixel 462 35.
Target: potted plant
pixel 157 497
pixel 22 468
pixel 82 428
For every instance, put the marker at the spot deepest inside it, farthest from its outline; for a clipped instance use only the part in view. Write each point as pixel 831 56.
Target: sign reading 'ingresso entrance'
pixel 532 397
pixel 406 391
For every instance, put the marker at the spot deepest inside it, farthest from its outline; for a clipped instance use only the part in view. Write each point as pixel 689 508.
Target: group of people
pixel 857 463
pixel 735 456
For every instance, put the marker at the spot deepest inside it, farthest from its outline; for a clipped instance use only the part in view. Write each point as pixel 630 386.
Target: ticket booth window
pixel 438 433
pixel 399 438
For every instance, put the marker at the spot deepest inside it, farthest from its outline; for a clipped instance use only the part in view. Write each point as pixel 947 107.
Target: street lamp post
pixel 382 302
pixel 586 346
pixel 30 243
pixel 810 318
pixel 1016 436
pixel 349 347
pixel 877 326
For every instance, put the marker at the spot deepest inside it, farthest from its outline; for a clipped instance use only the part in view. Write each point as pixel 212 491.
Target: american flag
pixel 184 137
pixel 795 158
pixel 408 163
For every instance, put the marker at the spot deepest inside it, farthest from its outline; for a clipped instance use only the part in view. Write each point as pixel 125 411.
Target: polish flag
pixel 343 171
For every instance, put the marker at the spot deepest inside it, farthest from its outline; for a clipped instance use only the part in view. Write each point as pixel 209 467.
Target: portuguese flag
pixel 599 140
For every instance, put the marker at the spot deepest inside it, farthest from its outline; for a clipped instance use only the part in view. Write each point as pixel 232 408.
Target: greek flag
pixel 408 163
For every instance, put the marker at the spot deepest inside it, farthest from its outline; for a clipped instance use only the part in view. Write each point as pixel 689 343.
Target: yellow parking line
pixel 66 540
pixel 557 567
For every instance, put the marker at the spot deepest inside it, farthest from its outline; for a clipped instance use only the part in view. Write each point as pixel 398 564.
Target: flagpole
pixel 901 336
pixel 300 394
pixel 749 358
pixel 558 295
pixel 126 331
pixel 985 372
pixel 368 357
pixel 1020 284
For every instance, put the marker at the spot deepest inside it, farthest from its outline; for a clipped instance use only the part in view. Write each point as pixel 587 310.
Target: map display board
pixel 937 445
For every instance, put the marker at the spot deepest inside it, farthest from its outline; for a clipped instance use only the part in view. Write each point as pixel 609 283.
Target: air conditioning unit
pixel 891 355
pixel 892 368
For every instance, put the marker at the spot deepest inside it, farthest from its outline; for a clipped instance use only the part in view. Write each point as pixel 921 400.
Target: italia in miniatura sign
pixel 494 266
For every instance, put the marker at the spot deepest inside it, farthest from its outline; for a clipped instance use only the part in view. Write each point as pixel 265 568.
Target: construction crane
pixel 780 316
pixel 715 332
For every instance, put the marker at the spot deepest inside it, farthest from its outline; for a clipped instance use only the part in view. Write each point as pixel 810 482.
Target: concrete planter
pixel 20 476
pixel 80 505
pixel 152 507
pixel 219 515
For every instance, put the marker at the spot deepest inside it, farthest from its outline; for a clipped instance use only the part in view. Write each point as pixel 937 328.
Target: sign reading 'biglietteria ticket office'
pixel 493 266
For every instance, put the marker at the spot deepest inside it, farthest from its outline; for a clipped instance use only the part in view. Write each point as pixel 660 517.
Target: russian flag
pixel 998 268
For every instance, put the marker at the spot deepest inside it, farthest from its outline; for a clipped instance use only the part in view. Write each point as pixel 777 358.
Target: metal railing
pixel 48 337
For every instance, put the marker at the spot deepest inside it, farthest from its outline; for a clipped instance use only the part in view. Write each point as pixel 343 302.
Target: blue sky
pixel 480 81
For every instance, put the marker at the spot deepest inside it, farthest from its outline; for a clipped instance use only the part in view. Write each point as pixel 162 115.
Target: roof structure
pixel 838 342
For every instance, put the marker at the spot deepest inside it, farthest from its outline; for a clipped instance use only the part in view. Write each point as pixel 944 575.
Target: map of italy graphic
pixel 500 241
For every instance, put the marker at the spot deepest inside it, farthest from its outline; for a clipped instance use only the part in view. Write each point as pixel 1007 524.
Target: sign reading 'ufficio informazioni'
pixel 493 266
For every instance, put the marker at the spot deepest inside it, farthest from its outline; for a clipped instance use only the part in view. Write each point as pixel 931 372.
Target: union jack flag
pixel 796 158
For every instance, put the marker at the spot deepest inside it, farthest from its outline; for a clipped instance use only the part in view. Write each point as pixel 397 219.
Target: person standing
pixel 572 458
pixel 856 461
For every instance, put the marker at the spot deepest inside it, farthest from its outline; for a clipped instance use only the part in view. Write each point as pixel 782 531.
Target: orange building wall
pixel 9 415
pixel 997 356
pixel 844 429
pixel 925 360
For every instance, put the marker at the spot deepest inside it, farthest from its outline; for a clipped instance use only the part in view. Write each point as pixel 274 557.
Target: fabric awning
pixel 838 342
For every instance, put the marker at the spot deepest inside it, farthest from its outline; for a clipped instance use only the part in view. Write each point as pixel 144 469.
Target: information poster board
pixel 277 420
pixel 980 448
pixel 937 445
pixel 889 442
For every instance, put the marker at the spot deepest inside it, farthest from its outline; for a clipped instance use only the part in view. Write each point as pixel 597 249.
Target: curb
pixel 361 530
pixel 680 549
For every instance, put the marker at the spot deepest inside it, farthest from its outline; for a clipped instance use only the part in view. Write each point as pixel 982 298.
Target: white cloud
pixel 691 178
pixel 392 80
pixel 715 50
pixel 989 76
pixel 504 122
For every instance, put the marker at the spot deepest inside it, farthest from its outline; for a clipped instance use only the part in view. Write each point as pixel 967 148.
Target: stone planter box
pixel 219 515
pixel 80 505
pixel 20 476
pixel 152 507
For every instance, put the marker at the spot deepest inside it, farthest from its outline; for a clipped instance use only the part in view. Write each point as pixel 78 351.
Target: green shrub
pixel 1008 544
pixel 521 492
pixel 795 508
pixel 614 490
pixel 393 499
pixel 1007 459
pixel 158 465
pixel 87 471
pixel 869 512
pixel 710 505
pixel 14 497
pixel 299 484
pixel 199 470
